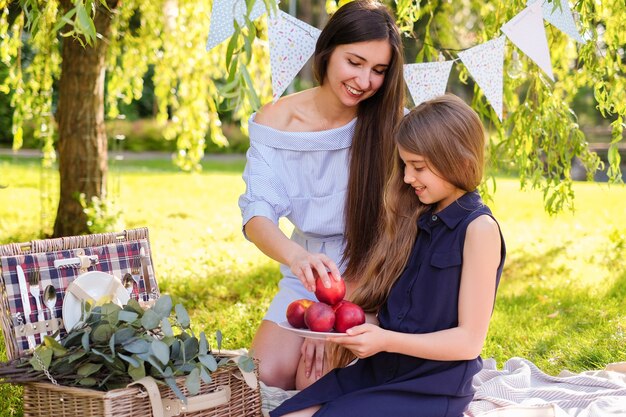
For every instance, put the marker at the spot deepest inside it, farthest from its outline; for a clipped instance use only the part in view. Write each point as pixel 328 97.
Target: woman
pixel 320 157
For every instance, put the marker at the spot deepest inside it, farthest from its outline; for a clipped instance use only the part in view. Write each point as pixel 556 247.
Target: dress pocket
pixel 446 259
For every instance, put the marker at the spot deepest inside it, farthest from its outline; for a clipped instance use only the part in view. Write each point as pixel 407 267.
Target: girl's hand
pixel 306 266
pixel 312 351
pixel 364 340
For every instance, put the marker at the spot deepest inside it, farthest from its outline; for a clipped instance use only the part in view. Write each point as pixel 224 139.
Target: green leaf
pixel 166 327
pixel 137 346
pixel 190 347
pixel 102 333
pixel 131 360
pixel 208 361
pixel 206 377
pixel 203 348
pixel 133 305
pixel 88 369
pixel 123 335
pixel 56 347
pixel 163 306
pixel 137 372
pixel 103 355
pixel 161 351
pixel 171 382
pixel 44 354
pixel 127 316
pixel 87 382
pixel 182 316
pixel 85 340
pixel 76 356
pixel 110 312
pixel 192 382
pixel 246 363
pixel 150 320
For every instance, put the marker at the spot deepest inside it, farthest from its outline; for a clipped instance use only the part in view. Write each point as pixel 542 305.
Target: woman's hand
pixel 307 266
pixel 364 340
pixel 312 351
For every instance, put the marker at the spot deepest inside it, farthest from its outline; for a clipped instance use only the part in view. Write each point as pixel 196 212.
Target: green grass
pixel 561 302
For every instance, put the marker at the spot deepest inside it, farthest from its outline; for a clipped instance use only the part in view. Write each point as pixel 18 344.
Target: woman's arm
pixel 268 237
pixel 481 257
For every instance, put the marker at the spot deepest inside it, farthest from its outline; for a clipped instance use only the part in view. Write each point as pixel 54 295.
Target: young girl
pixel 320 158
pixel 432 279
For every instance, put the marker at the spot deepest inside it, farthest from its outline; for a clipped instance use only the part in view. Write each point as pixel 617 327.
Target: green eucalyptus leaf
pixel 171 382
pixel 163 306
pixel 85 340
pixel 127 316
pixel 192 382
pixel 137 372
pixel 176 350
pixel 208 361
pixel 152 360
pixel 102 333
pixel 123 335
pixel 130 359
pixel 190 347
pixel 206 377
pixel 76 356
pixel 203 348
pixel 73 338
pixel 182 316
pixel 87 382
pixel 133 305
pixel 103 355
pixel 166 327
pixel 44 354
pixel 161 351
pixel 150 320
pixel 56 347
pixel 88 369
pixel 112 345
pixel 110 312
pixel 245 363
pixel 137 346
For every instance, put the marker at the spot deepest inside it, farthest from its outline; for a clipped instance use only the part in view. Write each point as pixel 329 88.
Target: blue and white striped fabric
pixel 302 176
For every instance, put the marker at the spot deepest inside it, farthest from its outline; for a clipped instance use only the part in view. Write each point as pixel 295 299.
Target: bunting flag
pixel 485 62
pixel 427 80
pixel 526 31
pixel 561 18
pixel 292 42
pixel 224 13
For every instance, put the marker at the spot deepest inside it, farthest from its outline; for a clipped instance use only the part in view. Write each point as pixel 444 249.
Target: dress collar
pixel 452 215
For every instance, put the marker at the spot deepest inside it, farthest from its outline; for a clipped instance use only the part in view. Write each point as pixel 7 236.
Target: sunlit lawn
pixel 561 303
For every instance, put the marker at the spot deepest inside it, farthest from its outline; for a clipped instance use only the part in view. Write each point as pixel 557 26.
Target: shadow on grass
pixel 524 266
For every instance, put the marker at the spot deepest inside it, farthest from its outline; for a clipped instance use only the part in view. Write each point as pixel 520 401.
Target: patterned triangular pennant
pixel 292 42
pixel 224 13
pixel 427 80
pixel 485 63
pixel 561 18
pixel 526 31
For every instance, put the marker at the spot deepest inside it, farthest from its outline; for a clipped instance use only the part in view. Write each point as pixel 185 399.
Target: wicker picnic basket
pixel 231 392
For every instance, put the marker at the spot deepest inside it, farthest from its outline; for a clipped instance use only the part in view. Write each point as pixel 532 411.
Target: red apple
pixel 348 315
pixel 319 317
pixel 331 295
pixel 295 312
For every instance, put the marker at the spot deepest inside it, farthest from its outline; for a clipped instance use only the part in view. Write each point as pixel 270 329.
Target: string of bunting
pixel 292 42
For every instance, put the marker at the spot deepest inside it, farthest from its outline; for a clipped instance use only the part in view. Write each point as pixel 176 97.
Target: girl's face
pixel 357 70
pixel 430 186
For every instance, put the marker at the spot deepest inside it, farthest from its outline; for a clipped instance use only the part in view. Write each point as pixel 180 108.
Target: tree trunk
pixel 80 116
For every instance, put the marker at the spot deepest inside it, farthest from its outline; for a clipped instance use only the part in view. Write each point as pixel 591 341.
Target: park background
pixel 562 298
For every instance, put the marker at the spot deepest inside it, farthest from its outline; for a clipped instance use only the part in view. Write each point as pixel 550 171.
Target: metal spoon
pixel 50 299
pixel 129 283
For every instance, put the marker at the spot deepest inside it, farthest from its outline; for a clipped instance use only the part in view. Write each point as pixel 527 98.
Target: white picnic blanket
pixel 520 389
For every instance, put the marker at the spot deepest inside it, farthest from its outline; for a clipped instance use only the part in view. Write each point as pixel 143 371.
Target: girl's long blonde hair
pixel 450 136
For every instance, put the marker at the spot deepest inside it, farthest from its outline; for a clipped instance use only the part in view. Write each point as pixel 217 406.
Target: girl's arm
pixel 481 257
pixel 268 237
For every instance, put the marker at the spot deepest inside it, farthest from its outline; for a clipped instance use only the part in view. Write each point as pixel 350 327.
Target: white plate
pixel 309 334
pixel 94 283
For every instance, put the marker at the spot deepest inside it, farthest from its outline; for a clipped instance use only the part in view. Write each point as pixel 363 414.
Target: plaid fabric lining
pixel 115 259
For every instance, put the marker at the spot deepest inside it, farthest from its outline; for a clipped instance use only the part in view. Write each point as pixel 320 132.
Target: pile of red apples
pixel 330 312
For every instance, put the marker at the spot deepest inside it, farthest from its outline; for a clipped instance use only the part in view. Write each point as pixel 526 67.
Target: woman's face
pixel 357 70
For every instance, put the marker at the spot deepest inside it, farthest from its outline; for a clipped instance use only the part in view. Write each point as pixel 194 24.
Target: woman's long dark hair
pixel 372 147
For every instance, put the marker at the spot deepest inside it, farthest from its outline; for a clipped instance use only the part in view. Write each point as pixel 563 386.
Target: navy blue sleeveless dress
pixel 424 299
